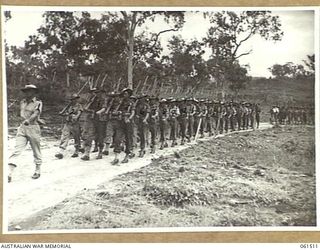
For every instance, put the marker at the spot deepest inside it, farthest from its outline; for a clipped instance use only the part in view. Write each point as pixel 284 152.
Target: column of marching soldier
pixel 123 121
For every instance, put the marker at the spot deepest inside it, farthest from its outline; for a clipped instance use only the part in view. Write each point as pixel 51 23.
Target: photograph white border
pixel 162 229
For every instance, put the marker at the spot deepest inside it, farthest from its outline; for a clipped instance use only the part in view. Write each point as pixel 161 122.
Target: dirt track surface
pixel 64 178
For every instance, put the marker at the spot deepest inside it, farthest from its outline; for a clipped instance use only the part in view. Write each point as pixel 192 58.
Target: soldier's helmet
pixel 29 87
pixel 74 96
pixel 133 97
pixel 163 100
pixel 127 90
pixel 94 89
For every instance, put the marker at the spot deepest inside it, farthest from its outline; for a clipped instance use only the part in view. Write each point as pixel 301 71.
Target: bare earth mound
pixel 259 178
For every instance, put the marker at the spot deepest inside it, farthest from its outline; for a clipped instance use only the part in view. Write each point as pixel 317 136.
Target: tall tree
pixel 230 30
pixel 188 68
pixel 134 19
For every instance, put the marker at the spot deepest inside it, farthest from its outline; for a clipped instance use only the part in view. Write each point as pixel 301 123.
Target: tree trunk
pixel 130 60
pixel 131 29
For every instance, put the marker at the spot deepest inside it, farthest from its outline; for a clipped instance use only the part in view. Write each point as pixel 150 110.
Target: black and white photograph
pixel 122 119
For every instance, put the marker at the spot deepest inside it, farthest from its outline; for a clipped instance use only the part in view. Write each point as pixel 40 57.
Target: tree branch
pixel 243 54
pixel 161 32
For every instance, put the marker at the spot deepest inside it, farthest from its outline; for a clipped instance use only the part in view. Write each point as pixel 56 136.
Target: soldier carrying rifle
pixel 71 127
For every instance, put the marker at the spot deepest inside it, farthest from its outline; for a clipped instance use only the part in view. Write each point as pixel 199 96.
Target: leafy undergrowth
pixel 260 178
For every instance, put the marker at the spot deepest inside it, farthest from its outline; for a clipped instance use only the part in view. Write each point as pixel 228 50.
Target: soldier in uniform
pixel 153 121
pixel 209 117
pixel 106 113
pixel 257 110
pixel 93 124
pixel 203 115
pixel 71 127
pixel 173 114
pixel 245 116
pixel 239 115
pixel 163 123
pixel 190 118
pixel 125 114
pixel 233 115
pixel 29 130
pixel 182 119
pixel 142 113
pixel 221 115
pixel 251 115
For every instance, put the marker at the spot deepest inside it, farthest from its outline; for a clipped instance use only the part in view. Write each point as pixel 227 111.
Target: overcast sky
pixel 297 42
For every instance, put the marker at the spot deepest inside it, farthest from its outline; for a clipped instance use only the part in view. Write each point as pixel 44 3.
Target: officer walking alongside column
pixel 29 130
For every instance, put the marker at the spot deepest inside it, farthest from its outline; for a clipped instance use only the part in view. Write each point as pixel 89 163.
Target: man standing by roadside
pixel 28 131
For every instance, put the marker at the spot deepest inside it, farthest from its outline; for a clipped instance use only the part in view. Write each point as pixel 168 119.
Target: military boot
pixel 126 159
pixel 76 153
pixel 86 156
pixel 59 155
pixel 142 153
pixel 182 142
pixel 115 162
pixel 153 149
pixel 99 156
pixel 95 149
pixel 131 155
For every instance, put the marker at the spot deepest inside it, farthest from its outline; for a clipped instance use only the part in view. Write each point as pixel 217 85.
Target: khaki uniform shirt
pixel 28 109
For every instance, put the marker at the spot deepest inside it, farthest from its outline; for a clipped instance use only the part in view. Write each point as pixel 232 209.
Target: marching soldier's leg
pixel 195 126
pixel 110 131
pixel 33 133
pixel 162 136
pixel 129 134
pixel 173 131
pixel 210 125
pixel 247 122
pixel 65 137
pixel 141 130
pixel 202 127
pixel 183 130
pixel 100 131
pixel 252 122
pixel 239 122
pixel 117 140
pixel 126 132
pixel 221 125
pixel 96 136
pixel 226 124
pixel 191 132
pixel 88 136
pixel 244 122
pixel 76 135
pixel 21 143
pixel 153 129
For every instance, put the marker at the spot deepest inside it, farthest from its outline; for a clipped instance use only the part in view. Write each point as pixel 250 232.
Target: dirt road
pixel 64 178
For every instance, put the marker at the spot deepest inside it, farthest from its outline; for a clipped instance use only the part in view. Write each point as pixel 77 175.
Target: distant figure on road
pixel 257 112
pixel 274 112
pixel 29 130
